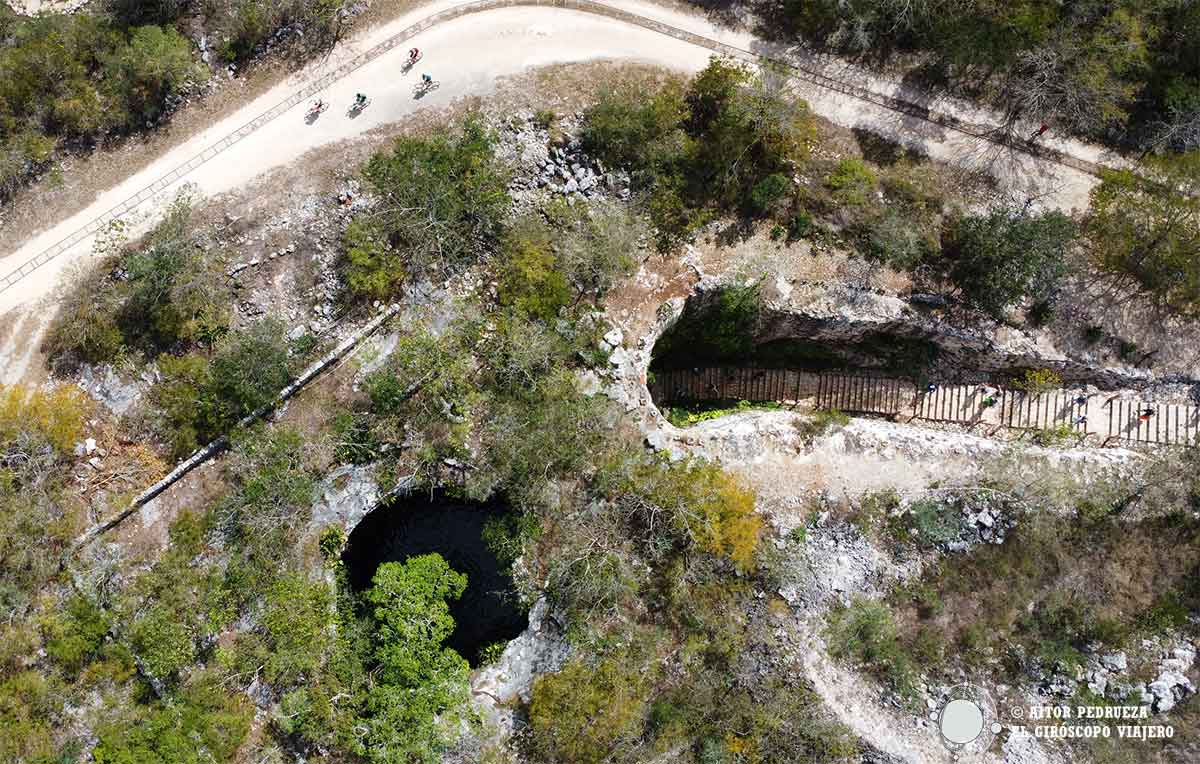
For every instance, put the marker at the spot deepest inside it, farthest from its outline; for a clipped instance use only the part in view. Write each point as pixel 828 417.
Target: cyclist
pixel 318 105
pixel 360 99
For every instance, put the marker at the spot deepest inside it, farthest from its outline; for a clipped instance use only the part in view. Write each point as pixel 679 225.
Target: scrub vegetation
pixel 71 81
pixel 240 638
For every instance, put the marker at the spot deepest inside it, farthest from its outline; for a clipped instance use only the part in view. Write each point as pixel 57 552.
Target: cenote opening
pixel 488 611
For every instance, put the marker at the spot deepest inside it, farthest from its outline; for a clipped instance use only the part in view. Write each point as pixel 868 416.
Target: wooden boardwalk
pixel 1107 420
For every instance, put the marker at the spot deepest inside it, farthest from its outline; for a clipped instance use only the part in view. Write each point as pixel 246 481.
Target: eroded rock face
pixel 866 331
pixel 540 649
pixel 117 394
pixel 346 496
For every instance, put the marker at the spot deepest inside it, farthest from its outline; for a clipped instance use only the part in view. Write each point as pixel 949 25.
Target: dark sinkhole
pixel 488 611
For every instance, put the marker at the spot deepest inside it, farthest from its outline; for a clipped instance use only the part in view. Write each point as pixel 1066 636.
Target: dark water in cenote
pixel 414 525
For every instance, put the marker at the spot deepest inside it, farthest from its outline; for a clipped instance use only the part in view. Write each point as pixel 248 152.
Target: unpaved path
pixel 465 54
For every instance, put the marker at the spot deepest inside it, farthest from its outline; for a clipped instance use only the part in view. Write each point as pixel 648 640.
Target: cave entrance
pixel 488 611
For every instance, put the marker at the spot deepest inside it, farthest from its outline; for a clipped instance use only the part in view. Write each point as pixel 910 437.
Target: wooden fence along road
pixel 1100 418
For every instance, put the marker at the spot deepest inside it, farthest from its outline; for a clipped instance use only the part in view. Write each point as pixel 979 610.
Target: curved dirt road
pixel 466 54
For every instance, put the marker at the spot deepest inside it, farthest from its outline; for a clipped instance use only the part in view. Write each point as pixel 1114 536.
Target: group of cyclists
pixel 360 99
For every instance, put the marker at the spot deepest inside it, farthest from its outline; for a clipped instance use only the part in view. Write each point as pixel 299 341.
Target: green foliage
pixel 75 77
pixel 168 293
pixel 1063 626
pixel 587 711
pixel 851 182
pixel 200 723
pixel 331 543
pixel 78 641
pixel 1147 229
pixel 37 517
pixel 27 706
pixel 424 387
pixel 272 493
pixel 1090 68
pixel 249 368
pixel 1050 437
pixel 692 505
pixel 629 127
pixel 1007 256
pixel 419 699
pixel 593 244
pixel 198 399
pixel 1038 381
pixel 529 281
pixel 682 416
pixel 820 423
pixel 932 523
pixel 864 631
pixel 296 624
pixel 728 142
pixel 164 644
pixel 443 199
pixel 373 270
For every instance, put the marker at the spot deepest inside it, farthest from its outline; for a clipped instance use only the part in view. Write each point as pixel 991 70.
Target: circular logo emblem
pixel 966 721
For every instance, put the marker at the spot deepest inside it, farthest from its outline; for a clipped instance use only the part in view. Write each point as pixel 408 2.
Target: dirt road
pixel 465 52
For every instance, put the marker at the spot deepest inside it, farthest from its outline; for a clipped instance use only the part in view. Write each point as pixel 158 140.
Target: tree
pixel 530 280
pixel 1004 257
pixel 586 712
pixel 155 64
pixel 373 269
pixel 422 690
pixel 1146 228
pixel 637 130
pixel 249 368
pixel 703 507
pixel 442 198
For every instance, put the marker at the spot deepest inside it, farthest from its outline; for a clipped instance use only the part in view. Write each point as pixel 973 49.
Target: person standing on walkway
pixel 1146 414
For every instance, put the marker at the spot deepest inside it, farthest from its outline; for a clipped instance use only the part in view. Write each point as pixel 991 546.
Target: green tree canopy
pixel 1146 228
pixel 422 689
pixel 1004 257
pixel 443 201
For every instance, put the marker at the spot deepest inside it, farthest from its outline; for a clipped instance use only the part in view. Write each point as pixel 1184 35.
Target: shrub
pixel 198 399
pixel 199 723
pixel 635 129
pixel 864 631
pixel 935 523
pixel 443 199
pixel 1007 256
pixel 895 239
pixel 1146 228
pixel 373 269
pixel 727 143
pixel 586 712
pixel 529 279
pixel 851 182
pixel 1038 381
pixel 706 508
pixel 163 294
pixel 162 643
pixel 78 640
pixel 820 423
pixel 768 191
pixel 249 368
